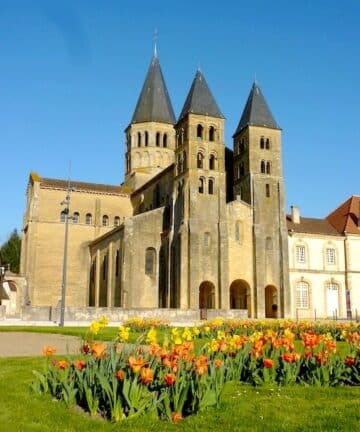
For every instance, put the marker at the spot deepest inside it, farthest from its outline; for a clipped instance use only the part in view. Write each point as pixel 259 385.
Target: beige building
pixel 195 225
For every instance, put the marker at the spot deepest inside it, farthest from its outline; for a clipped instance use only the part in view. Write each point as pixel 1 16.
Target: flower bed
pixel 170 380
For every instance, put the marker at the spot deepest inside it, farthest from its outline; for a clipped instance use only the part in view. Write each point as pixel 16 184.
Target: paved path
pixel 18 344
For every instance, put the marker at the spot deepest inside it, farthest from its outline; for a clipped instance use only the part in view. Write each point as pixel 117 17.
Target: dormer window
pixel 199 132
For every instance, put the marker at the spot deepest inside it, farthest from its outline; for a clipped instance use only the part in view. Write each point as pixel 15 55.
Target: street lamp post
pixel 66 202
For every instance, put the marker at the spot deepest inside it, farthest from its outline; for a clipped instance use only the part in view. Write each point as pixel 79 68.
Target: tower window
pixel 200 158
pixel 267 190
pixel 139 139
pixel 268 168
pixel 105 220
pixel 165 140
pixel 157 139
pixel 262 167
pixel 88 219
pixel 262 142
pixel 212 162
pixel 212 133
pixel 211 186
pixel 267 144
pixel 150 261
pixel 76 217
pixel 201 185
pixel 146 138
pixel 116 221
pixel 199 132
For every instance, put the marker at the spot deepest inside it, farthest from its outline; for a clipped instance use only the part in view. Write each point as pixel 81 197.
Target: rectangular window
pixel 330 256
pixel 302 295
pixel 267 190
pixel 300 254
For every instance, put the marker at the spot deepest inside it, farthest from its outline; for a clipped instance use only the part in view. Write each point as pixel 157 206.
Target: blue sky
pixel 71 73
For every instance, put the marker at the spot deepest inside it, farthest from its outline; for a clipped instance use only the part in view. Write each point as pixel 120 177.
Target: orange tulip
pixel 147 375
pixel 63 364
pixel 80 364
pixel 176 417
pixel 350 361
pixel 120 375
pixel 136 364
pixel 170 379
pixel 217 363
pixel 98 349
pixel 268 363
pixel 49 350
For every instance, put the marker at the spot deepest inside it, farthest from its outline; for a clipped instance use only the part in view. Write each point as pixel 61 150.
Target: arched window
pixel 199 132
pixel 105 220
pixel 212 162
pixel 211 133
pixel 116 221
pixel 150 257
pixel 262 167
pixel 76 217
pixel 262 143
pixel 146 138
pixel 139 139
pixel 302 295
pixel 157 139
pixel 200 158
pixel 165 140
pixel 201 185
pixel 63 216
pixel 268 167
pixel 88 219
pixel 267 144
pixel 211 187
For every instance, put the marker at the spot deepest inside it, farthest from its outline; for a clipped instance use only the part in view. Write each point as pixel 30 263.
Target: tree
pixel 10 252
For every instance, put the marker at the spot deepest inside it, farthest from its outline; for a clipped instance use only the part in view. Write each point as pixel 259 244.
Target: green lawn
pixel 243 408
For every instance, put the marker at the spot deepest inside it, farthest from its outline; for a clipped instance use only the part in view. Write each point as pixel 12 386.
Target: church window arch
pixel 267 190
pixel 88 219
pixel 76 217
pixel 157 139
pixel 201 185
pixel 139 139
pixel 262 167
pixel 212 162
pixel 267 144
pixel 262 142
pixel 211 133
pixel 146 138
pixel 116 220
pixel 200 160
pixel 211 186
pixel 199 132
pixel 150 261
pixel 268 167
pixel 105 220
pixel 165 140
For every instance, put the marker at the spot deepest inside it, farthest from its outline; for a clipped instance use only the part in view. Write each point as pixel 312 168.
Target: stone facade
pixel 195 226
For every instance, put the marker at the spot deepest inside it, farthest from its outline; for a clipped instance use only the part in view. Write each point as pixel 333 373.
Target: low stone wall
pixel 2 312
pixel 47 313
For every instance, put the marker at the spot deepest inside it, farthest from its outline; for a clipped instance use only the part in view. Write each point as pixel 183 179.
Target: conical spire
pixel 256 111
pixel 154 101
pixel 200 99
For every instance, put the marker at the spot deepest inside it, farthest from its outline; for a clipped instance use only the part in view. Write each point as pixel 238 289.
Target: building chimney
pixel 295 214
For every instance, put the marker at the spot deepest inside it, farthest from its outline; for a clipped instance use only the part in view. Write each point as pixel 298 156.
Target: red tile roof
pixel 311 226
pixel 84 187
pixel 346 217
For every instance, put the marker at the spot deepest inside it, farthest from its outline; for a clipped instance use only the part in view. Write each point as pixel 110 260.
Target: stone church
pixel 195 227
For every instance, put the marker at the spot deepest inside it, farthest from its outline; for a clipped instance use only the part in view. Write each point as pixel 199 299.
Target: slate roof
pixel 84 187
pixel 346 217
pixel 311 226
pixel 256 111
pixel 200 99
pixel 154 102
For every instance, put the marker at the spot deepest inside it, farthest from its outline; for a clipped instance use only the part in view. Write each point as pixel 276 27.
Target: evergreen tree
pixel 10 252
